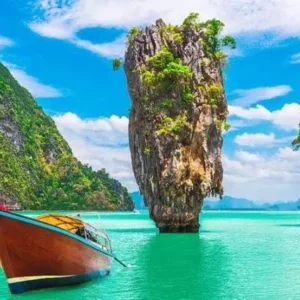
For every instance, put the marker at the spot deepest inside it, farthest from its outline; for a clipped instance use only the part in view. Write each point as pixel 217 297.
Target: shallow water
pixel 237 255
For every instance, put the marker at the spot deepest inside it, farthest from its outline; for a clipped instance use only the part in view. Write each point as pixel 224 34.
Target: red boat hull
pixel 37 255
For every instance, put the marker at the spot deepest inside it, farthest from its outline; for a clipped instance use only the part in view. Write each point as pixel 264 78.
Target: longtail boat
pixel 50 251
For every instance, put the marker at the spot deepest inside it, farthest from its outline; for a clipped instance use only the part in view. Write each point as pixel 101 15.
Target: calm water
pixel 237 255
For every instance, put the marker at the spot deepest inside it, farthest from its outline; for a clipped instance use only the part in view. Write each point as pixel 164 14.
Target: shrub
pixel 214 90
pixel 170 126
pixel 145 98
pixel 177 72
pixel 174 33
pixel 222 58
pixel 223 124
pixel 133 32
pixel 296 142
pixel 186 96
pixel 228 41
pixel 163 70
pixel 161 59
pixel 148 78
pixel 167 103
pixel 212 41
pixel 147 150
pixel 226 125
pixel 191 19
pixel 117 63
pixel 221 55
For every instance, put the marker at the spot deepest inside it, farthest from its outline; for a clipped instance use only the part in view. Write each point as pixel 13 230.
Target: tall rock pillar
pixel 178 112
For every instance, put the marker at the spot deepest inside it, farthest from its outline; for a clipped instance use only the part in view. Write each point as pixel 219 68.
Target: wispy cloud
pixel 249 157
pixel 286 118
pixel 113 49
pixel 101 142
pixel 5 42
pixel 260 140
pixel 62 19
pixel 263 177
pixel 35 87
pixel 251 96
pixel 295 59
pixel 255 140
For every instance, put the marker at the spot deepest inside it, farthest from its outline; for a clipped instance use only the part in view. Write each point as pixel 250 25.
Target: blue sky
pixel 61 50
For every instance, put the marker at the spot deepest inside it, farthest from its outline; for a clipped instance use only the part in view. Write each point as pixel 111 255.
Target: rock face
pixel 175 128
pixel 37 167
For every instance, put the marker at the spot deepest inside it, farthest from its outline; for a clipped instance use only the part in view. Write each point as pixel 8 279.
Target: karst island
pixel 178 113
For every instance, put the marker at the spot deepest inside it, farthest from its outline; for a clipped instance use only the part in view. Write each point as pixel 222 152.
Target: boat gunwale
pixel 47 226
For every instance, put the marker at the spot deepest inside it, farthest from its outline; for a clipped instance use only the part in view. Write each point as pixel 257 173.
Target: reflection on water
pixel 183 266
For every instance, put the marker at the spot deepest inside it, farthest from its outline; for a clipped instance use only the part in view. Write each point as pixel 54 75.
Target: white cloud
pixel 101 142
pixel 286 118
pixel 249 157
pixel 113 49
pixel 35 87
pixel 5 42
pixel 54 29
pixel 102 131
pixel 261 140
pixel 271 177
pixel 63 18
pixel 295 59
pixel 256 140
pixel 251 96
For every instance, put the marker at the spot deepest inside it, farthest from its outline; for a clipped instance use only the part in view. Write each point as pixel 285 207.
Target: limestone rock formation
pixel 178 111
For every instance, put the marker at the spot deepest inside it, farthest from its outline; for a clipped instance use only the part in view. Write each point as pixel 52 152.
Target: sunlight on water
pixel 237 255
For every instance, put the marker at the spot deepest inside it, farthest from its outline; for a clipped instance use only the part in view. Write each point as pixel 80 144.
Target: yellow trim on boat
pixel 65 222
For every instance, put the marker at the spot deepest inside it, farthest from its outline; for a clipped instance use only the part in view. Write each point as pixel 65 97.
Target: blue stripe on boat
pixel 54 228
pixel 24 286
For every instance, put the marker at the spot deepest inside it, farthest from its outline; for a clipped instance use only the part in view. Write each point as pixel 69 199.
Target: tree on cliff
pixel 178 113
pixel 296 142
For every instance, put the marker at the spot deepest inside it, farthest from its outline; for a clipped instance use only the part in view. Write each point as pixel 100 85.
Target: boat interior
pixel 78 227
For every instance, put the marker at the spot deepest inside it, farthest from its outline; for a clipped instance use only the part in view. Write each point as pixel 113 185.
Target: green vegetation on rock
pixel 175 33
pixel 166 73
pixel 147 150
pixel 37 167
pixel 223 124
pixel 214 92
pixel 117 63
pixel 212 40
pixel 133 32
pixel 296 142
pixel 191 20
pixel 171 126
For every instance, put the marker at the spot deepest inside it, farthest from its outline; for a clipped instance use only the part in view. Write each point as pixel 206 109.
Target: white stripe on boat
pixel 28 278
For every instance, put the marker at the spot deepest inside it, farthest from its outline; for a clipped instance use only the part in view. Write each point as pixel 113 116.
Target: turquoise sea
pixel 237 255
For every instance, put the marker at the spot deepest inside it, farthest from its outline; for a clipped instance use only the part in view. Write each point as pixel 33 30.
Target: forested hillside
pixel 37 167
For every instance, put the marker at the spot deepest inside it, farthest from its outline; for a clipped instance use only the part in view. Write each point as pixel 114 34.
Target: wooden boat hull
pixel 37 255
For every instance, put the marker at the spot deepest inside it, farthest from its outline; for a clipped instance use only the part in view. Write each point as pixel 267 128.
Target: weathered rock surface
pixel 175 171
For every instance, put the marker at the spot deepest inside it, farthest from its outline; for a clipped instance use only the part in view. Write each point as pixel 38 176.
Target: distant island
pixel 230 203
pixel 38 170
